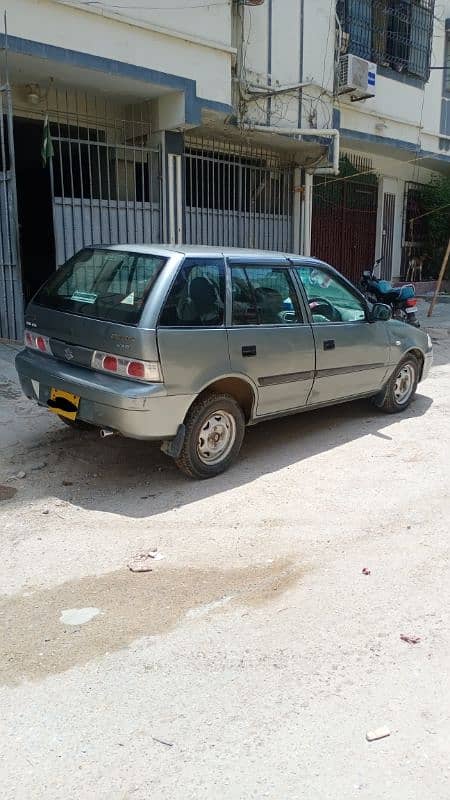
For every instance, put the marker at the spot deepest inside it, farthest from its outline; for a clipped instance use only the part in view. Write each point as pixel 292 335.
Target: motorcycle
pixel 402 299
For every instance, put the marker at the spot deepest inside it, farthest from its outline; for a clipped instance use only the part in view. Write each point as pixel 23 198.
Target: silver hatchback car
pixel 188 345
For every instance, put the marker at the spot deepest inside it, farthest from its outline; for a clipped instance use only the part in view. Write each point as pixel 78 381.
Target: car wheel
pixel 401 387
pixel 215 427
pixel 78 424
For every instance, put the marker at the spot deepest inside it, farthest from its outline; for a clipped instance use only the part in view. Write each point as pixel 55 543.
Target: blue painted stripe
pixel 336 119
pixel 410 147
pixel 76 58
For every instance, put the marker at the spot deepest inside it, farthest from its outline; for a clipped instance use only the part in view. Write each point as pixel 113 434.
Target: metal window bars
pixel 236 195
pixel 396 34
pixel 105 174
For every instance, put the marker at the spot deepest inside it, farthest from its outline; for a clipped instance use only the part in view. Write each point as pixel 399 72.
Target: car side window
pixel 263 296
pixel 329 299
pixel 197 297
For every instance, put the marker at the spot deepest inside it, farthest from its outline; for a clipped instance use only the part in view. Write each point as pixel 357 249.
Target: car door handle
pixel 249 350
pixel 329 344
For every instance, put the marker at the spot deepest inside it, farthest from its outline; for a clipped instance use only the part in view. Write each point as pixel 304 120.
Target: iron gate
pixel 414 236
pixel 11 298
pixel 105 176
pixel 388 235
pixel 344 222
pixel 237 197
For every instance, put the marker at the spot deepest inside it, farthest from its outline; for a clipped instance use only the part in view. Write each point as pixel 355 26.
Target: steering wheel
pixel 323 307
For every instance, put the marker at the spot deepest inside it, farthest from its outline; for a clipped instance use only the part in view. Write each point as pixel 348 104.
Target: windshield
pixel 105 284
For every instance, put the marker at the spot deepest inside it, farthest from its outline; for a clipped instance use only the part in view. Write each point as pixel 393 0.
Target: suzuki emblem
pixel 68 354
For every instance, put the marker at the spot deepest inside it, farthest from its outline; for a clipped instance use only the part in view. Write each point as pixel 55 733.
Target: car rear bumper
pixel 140 411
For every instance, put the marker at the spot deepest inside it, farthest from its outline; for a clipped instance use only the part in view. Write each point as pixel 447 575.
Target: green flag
pixel 47 145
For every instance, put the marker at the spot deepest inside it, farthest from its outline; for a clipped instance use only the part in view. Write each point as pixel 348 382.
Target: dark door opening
pixel 34 206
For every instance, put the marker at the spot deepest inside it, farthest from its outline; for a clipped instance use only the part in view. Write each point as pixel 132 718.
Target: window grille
pixel 396 34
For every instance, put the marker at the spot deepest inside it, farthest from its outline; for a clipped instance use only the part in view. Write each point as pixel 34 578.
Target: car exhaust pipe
pixel 104 432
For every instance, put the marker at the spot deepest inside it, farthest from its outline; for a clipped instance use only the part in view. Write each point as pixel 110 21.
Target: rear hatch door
pixel 95 302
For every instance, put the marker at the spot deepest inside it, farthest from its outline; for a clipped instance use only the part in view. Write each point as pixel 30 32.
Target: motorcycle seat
pixel 395 293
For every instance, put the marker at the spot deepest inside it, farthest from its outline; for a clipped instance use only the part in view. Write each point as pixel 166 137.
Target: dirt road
pixel 256 655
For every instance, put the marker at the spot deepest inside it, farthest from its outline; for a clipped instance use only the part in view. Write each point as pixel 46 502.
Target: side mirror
pixel 380 313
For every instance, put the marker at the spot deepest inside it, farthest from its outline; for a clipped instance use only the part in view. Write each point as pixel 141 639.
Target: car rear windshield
pixel 112 285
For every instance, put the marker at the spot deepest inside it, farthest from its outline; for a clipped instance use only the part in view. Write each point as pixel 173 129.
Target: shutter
pixel 420 39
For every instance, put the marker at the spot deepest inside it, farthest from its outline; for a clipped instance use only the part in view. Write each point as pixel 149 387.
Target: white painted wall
pixel 195 40
pixel 202 54
pixel 210 21
pixel 318 55
pixel 406 112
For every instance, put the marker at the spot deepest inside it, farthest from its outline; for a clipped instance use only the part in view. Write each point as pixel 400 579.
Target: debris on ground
pixel 161 741
pixel 366 571
pixel 67 483
pixel 378 733
pixel 409 639
pixel 142 562
pixel 39 466
pixel 20 475
pixel 78 616
pixel 7 492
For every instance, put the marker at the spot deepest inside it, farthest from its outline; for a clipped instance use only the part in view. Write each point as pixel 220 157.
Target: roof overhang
pixel 304 152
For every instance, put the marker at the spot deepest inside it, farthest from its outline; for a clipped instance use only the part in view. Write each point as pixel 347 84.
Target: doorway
pixel 34 206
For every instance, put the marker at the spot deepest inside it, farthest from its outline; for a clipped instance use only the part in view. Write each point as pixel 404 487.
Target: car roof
pixel 201 250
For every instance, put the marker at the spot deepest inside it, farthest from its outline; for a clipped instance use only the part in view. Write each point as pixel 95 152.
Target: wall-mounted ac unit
pixel 357 77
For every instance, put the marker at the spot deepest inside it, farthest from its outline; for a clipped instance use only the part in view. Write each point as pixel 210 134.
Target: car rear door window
pixel 197 297
pixel 263 296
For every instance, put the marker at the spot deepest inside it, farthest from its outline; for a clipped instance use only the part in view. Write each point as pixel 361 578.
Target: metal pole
pixel 18 294
pixel 179 184
pixel 309 180
pixel 439 280
pixel 297 210
pixel 170 187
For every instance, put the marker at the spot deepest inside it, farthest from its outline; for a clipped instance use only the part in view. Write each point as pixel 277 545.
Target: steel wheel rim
pixel 216 437
pixel 404 384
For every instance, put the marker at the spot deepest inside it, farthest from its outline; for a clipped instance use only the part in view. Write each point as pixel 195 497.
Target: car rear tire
pixel 215 427
pixel 78 424
pixel 401 387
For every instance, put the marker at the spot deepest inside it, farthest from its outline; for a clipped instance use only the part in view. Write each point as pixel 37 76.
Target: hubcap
pixel 404 384
pixel 216 438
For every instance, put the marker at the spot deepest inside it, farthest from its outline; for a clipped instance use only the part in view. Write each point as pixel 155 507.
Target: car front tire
pixel 401 388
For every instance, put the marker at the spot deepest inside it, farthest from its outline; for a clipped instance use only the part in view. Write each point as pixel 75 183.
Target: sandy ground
pixel 255 656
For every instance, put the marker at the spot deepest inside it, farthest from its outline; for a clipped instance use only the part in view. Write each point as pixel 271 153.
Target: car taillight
pixel 136 369
pixel 38 342
pixel 411 303
pixel 41 344
pixel 110 363
pixel 148 371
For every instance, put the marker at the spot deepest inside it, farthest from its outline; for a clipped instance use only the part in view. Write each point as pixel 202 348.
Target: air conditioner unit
pixel 357 77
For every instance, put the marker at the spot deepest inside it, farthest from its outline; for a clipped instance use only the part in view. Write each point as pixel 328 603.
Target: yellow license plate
pixel 65 404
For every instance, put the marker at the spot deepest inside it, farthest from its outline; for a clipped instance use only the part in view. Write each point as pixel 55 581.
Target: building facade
pixel 216 122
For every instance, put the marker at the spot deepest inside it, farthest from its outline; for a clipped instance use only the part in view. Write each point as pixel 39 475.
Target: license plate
pixel 65 404
pixel 410 310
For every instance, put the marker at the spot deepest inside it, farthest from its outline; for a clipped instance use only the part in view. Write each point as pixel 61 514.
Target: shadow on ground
pixel 134 479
